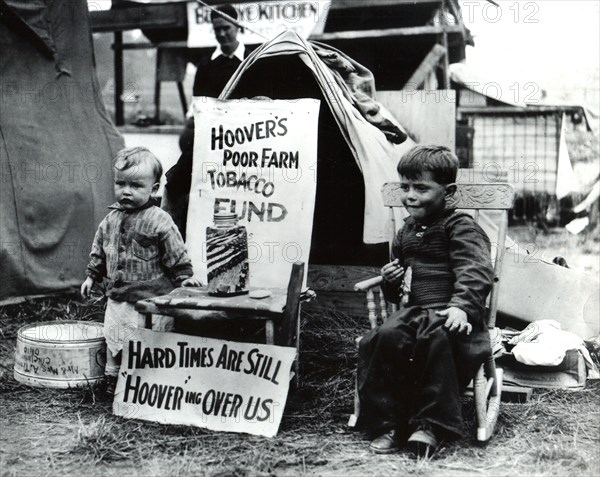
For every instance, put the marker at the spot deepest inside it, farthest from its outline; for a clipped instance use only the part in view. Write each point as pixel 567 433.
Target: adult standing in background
pixel 212 75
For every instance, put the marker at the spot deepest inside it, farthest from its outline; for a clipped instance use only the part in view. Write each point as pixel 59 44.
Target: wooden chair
pixel 487 385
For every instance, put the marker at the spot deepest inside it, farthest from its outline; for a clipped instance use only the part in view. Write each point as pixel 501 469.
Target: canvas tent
pixel 57 142
pixel 357 147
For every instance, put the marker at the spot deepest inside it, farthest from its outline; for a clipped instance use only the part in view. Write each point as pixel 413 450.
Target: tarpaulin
pixel 56 146
pixel 363 123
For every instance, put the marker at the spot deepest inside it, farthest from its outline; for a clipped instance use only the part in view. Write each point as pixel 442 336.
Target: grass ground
pixel 57 432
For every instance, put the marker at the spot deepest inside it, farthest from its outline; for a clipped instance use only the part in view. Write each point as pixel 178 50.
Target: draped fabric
pixel 56 146
pixel 367 128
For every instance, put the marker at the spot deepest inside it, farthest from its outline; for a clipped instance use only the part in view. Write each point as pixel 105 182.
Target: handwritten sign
pixel 256 159
pixel 60 355
pixel 265 20
pixel 219 385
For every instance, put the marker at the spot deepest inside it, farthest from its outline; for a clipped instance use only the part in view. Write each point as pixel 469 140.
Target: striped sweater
pixel 450 263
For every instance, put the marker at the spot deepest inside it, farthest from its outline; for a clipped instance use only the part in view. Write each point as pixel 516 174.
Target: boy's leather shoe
pixel 387 443
pixel 423 442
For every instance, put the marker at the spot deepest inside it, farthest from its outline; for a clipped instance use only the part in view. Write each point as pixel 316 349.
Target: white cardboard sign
pixel 257 159
pixel 264 21
pixel 190 380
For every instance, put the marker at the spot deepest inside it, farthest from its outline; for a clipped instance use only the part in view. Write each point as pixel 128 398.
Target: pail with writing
pixel 60 354
pixel 227 256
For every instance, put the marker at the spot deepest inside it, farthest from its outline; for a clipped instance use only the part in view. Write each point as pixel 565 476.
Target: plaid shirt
pixel 141 252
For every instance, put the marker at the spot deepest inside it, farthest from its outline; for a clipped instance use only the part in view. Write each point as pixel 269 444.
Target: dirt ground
pixel 56 432
pixel 71 433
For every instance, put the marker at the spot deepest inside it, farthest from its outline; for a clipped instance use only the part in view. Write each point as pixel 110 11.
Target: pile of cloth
pixel 543 355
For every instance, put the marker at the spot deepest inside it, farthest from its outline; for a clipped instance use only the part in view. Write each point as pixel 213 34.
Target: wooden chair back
pixel 476 197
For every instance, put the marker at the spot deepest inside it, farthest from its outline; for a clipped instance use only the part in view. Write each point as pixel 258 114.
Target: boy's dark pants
pixel 411 372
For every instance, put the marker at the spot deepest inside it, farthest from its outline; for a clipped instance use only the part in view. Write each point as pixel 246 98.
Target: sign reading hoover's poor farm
pixel 220 385
pixel 263 21
pixel 257 160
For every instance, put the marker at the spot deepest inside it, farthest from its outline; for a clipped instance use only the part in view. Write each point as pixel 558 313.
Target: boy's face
pixel 134 186
pixel 424 198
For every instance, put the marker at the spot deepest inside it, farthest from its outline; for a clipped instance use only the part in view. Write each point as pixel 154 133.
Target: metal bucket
pixel 60 354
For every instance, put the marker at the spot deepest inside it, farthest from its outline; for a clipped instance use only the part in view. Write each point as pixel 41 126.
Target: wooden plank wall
pixel 334 285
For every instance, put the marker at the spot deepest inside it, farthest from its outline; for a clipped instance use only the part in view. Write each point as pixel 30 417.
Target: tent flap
pixel 364 126
pixel 56 147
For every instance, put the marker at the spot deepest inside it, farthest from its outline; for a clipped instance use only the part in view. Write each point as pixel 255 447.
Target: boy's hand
pixel 457 322
pixel 86 287
pixel 191 282
pixel 393 272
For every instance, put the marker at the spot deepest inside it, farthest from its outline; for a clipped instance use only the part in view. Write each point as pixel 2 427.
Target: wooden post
pixel 292 305
pixel 501 242
pixel 445 63
pixel 269 332
pixel 157 89
pixel 182 98
pixel 118 64
pixel 426 67
pixel 290 323
pixel 147 320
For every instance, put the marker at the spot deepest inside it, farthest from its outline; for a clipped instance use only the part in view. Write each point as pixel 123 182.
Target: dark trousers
pixel 411 372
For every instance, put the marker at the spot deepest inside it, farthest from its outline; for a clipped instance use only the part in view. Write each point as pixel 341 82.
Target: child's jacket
pixel 141 252
pixel 410 369
pixel 450 262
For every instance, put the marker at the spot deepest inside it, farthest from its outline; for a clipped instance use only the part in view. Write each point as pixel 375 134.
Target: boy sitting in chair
pixel 411 370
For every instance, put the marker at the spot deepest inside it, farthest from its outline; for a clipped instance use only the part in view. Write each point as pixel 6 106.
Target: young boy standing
pixel 412 368
pixel 138 249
